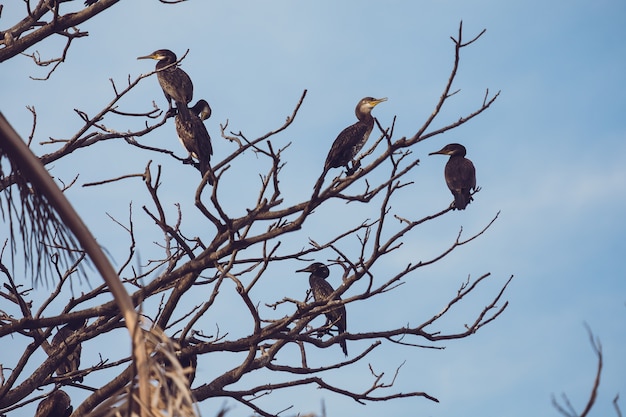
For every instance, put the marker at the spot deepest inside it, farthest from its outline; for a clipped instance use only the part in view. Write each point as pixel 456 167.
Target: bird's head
pixel 317 269
pixel 160 55
pixel 202 109
pixel 368 103
pixel 452 149
pixel 76 324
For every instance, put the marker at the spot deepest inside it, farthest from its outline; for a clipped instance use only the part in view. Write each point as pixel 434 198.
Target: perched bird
pixel 71 362
pixel 352 138
pixel 460 174
pixel 175 82
pixel 189 361
pixel 321 291
pixel 57 404
pixel 189 364
pixel 193 134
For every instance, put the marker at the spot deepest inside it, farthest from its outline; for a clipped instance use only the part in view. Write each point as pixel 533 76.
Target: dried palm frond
pixel 31 218
pixel 170 395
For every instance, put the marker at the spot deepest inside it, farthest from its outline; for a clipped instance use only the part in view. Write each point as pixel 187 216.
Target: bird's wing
pixel 343 148
pixel 203 140
pixel 461 175
pixel 321 289
pixel 184 129
pixel 61 335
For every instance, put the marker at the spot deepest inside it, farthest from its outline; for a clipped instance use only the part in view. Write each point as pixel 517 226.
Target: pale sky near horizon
pixel 550 156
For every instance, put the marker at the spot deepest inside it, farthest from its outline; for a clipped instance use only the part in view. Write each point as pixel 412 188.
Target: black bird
pixel 352 138
pixel 57 404
pixel 193 134
pixel 71 362
pixel 188 361
pixel 460 174
pixel 321 291
pixel 175 82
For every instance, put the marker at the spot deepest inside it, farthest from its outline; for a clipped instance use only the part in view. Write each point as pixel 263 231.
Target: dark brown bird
pixel 175 82
pixel 460 174
pixel 57 404
pixel 189 362
pixel 352 138
pixel 71 362
pixel 321 292
pixel 193 134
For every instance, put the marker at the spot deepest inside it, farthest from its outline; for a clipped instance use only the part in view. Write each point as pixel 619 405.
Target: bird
pixel 175 82
pixel 57 404
pixel 71 362
pixel 189 363
pixel 460 174
pixel 321 291
pixel 193 134
pixel 350 141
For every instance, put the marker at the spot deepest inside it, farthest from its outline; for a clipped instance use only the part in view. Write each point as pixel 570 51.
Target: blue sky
pixel 550 156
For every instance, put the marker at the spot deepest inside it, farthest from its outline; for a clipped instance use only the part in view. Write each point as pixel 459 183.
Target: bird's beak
pixel 307 269
pixel 378 101
pixel 205 114
pixel 151 56
pixel 439 152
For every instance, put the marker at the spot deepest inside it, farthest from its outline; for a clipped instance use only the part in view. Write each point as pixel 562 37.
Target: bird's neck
pixel 164 63
pixel 365 117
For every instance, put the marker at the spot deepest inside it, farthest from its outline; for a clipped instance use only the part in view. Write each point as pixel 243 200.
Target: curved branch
pixel 15 42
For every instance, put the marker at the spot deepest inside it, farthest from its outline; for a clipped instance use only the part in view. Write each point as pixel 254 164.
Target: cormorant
pixel 72 361
pixel 175 82
pixel 321 291
pixel 460 174
pixel 57 404
pixel 352 138
pixel 193 134
pixel 189 363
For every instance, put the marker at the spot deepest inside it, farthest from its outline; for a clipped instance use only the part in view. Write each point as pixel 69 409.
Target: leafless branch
pixel 567 409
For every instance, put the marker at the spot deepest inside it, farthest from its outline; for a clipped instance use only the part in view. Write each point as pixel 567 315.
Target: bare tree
pixel 236 245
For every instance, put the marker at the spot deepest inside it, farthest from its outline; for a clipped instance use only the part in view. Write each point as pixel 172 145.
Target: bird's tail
pixel 462 199
pixel 344 347
pixel 320 181
pixel 205 167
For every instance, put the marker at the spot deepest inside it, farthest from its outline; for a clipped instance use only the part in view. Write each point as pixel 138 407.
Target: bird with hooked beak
pixel 460 174
pixel 352 139
pixel 321 292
